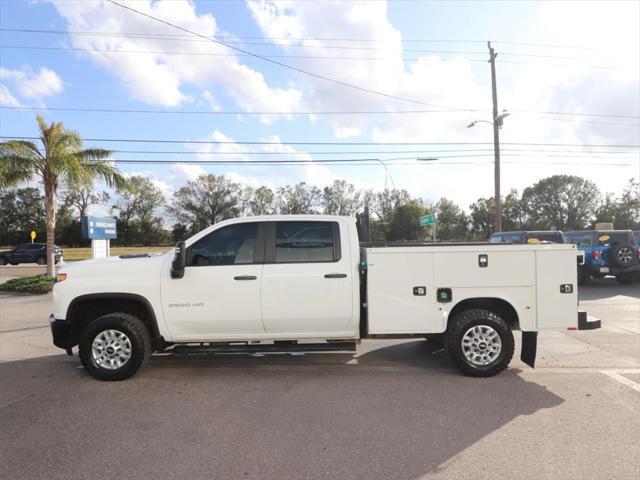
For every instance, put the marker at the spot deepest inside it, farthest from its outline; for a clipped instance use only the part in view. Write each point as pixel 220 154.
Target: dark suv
pixel 550 236
pixel 29 253
pixel 608 252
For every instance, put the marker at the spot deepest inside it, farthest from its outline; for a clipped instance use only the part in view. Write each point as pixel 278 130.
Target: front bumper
pixel 61 333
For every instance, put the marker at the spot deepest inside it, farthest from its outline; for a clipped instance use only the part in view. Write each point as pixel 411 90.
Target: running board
pixel 283 347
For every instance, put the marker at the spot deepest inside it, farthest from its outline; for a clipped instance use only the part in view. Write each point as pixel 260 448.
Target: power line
pixel 378 152
pixel 172 36
pixel 234 112
pixel 276 62
pixel 309 57
pixel 232 142
pixel 352 112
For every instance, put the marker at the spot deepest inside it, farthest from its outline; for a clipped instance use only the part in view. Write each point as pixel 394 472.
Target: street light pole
pixel 496 139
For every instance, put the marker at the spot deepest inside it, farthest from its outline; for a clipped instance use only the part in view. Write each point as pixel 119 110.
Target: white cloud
pixel 156 77
pixel 30 84
pixel 6 97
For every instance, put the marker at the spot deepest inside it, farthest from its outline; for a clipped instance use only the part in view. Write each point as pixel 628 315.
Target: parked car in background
pixel 607 252
pixel 29 253
pixel 530 237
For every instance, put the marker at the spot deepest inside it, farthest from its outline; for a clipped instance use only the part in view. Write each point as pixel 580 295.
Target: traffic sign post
pixel 99 230
pixel 33 235
pixel 431 219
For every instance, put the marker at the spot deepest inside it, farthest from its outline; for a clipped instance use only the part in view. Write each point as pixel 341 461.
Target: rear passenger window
pixel 307 242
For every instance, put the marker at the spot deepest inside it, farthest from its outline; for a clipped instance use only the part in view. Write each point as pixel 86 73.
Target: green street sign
pixel 428 220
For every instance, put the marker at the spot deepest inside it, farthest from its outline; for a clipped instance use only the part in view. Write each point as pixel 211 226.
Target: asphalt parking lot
pixel 394 410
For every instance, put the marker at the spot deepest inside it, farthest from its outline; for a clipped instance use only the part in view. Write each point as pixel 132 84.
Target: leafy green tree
pixel 566 202
pixel 512 212
pixel 205 201
pixel 482 217
pixel 383 207
pixel 61 159
pixel 483 220
pixel 341 198
pixel 83 197
pixel 623 212
pixel 137 210
pixel 453 223
pixel 261 201
pixel 298 199
pixel 405 222
pixel 21 212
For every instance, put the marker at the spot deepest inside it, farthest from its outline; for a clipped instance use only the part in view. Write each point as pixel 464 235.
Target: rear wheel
pixel 3 261
pixel 114 346
pixel 480 343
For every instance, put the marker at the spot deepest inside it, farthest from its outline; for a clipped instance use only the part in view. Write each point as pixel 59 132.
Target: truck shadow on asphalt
pixel 400 412
pixel 599 288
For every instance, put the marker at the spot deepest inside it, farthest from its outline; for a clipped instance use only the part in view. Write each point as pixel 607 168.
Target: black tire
pixel 3 261
pixel 135 332
pixel 41 261
pixel 625 278
pixel 622 255
pixel 583 276
pixel 14 263
pixel 465 321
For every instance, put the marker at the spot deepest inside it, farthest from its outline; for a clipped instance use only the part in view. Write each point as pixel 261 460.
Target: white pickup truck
pixel 304 283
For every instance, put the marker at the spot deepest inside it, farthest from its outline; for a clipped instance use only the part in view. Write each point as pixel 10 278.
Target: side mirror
pixel 179 261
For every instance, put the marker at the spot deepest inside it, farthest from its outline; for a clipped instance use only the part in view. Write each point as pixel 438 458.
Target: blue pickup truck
pixel 607 252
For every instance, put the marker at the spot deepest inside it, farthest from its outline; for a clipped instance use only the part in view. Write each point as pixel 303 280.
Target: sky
pixel 567 73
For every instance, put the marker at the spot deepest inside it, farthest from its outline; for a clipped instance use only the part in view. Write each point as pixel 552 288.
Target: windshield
pixel 509 237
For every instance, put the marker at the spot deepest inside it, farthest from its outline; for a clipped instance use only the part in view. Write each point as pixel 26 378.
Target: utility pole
pixel 496 138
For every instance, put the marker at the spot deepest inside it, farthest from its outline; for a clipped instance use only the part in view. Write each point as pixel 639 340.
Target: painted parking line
pixel 618 377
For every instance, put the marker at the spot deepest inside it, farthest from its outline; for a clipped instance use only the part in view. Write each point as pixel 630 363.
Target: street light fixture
pixel 497 125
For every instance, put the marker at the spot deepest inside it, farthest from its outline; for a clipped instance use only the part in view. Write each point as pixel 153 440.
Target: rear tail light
pixel 595 254
pixel 639 254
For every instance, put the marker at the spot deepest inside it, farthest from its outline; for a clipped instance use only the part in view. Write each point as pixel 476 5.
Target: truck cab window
pixel 305 242
pixel 232 245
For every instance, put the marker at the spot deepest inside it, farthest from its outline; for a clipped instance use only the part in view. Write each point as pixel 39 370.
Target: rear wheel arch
pixel 499 306
pixel 86 308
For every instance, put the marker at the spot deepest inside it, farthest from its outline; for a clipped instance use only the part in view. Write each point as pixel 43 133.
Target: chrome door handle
pixel 245 277
pixel 335 275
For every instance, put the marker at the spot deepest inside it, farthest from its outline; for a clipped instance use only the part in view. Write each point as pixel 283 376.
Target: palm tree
pixel 61 159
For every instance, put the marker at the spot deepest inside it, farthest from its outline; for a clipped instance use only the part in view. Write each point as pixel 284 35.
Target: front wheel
pixel 41 261
pixel 114 346
pixel 480 343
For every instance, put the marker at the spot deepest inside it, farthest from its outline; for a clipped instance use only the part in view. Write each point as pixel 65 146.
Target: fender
pixel 154 331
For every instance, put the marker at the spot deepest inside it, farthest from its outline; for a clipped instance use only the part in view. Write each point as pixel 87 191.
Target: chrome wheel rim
pixel 481 345
pixel 625 255
pixel 111 349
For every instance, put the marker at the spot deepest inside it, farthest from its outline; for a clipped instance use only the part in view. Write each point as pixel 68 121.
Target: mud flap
pixel 529 347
